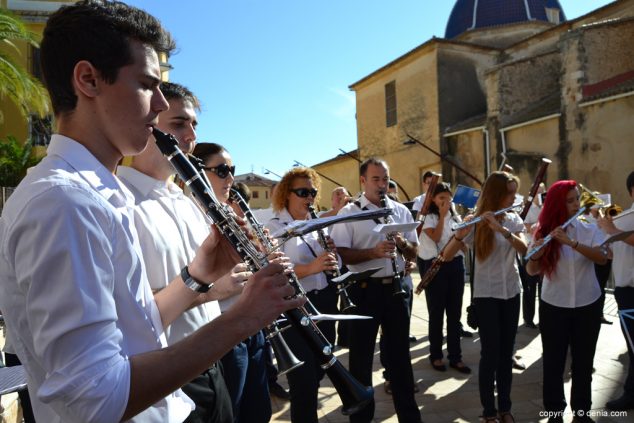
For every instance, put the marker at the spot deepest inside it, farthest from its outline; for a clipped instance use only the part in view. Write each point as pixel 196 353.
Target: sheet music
pixel 302 227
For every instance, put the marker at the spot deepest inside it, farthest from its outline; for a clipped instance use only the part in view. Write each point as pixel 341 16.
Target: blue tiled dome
pixel 490 13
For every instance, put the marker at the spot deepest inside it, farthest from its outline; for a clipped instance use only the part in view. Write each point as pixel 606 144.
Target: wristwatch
pixel 192 283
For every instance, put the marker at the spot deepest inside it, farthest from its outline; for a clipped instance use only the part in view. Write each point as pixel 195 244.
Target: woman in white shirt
pixel 296 191
pixel 570 306
pixel 245 365
pixel 496 284
pixel 444 294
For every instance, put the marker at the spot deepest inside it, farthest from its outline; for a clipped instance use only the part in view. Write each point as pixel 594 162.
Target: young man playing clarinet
pixel 73 288
pixel 360 249
pixel 171 229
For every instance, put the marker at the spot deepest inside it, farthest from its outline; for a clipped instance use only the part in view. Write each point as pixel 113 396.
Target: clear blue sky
pixel 273 75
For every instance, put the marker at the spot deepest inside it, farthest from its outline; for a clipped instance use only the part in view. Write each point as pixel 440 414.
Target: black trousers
pixel 211 396
pixel 444 296
pixel 577 328
pixel 625 299
pixel 531 287
pixel 497 321
pixel 304 380
pixel 390 313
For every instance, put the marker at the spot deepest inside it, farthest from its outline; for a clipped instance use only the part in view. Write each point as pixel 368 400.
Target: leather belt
pixel 387 280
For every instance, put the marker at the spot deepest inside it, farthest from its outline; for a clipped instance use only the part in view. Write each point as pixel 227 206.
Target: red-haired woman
pixel 298 190
pixel 496 289
pixel 570 307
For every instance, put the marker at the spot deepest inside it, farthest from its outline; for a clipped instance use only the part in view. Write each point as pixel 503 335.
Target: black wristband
pixel 192 283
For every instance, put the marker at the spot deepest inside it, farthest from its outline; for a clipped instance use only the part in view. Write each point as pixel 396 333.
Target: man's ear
pixel 86 79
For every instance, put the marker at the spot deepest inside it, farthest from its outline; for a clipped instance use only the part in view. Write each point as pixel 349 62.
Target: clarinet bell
pixel 286 360
pixel 397 286
pixel 345 303
pixel 354 396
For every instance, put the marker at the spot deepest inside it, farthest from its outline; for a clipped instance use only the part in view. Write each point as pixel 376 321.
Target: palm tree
pixel 16 82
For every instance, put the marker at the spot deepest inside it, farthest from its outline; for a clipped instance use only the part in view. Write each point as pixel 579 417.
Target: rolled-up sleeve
pixel 63 260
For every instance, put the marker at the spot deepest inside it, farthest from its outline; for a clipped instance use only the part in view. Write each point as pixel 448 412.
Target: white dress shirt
pixel 574 283
pixel 498 276
pixel 418 202
pixel 298 251
pixel 170 229
pixel 623 260
pixel 360 235
pixel 427 248
pixel 74 292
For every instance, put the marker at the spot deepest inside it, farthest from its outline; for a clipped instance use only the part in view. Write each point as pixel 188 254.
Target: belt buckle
pixel 386 281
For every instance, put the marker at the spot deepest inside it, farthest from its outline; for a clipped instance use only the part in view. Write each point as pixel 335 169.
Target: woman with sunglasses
pixel 245 365
pixel 297 191
pixel 570 306
pixel 496 289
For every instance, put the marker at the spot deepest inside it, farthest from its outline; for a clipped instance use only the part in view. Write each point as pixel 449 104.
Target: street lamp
pixel 268 172
pixel 411 140
pixel 318 173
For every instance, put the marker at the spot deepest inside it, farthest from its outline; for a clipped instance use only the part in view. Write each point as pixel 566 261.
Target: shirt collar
pixel 146 184
pixel 90 169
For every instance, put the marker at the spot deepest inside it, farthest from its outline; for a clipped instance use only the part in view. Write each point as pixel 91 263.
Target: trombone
pixel 592 198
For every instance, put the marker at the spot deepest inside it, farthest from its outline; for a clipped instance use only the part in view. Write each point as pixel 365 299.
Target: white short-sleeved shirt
pixel 170 228
pixel 298 251
pixel 623 261
pixel 574 282
pixel 74 291
pixel 498 275
pixel 427 248
pixel 360 235
pixel 418 202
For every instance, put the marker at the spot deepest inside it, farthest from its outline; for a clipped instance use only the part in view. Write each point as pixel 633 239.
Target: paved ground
pixel 452 397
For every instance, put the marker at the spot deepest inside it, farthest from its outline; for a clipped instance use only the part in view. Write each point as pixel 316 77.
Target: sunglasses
pixel 305 192
pixel 222 170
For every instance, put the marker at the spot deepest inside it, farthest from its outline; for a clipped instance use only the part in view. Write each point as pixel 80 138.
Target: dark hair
pixel 205 150
pixel 372 160
pixel 99 32
pixel 427 174
pixel 391 184
pixel 440 188
pixel 174 91
pixel 243 189
pixel 629 183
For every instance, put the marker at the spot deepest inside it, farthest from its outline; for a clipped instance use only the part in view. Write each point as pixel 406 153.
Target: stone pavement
pixel 452 397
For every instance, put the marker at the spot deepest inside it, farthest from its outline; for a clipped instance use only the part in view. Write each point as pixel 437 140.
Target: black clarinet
pixel 397 280
pixel 344 298
pixel 354 396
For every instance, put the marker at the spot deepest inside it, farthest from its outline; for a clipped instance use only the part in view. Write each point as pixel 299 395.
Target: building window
pixel 266 195
pixel 34 63
pixel 553 15
pixel 40 129
pixel 390 104
pixel 256 194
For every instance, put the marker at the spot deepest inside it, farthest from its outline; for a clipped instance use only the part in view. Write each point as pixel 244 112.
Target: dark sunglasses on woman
pixel 222 170
pixel 305 192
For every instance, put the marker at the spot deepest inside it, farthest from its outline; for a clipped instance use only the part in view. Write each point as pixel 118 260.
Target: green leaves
pixel 17 83
pixel 15 159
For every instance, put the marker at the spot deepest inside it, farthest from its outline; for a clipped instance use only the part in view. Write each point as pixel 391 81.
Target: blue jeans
pixel 246 379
